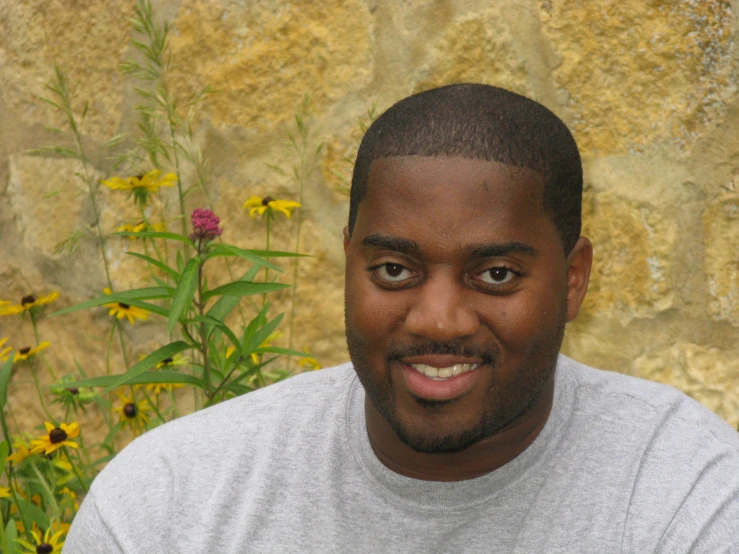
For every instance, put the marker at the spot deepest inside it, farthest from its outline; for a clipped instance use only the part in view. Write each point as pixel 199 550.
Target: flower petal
pixel 49 426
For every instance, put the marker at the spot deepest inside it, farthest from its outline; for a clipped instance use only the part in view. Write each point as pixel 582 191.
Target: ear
pixel 346 239
pixel 579 261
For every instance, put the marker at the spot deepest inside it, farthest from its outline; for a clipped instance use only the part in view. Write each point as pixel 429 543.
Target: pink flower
pixel 205 225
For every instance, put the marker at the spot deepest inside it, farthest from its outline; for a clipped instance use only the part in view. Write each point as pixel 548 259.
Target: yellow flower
pixel 139 227
pixel 258 206
pixel 132 414
pixel 4 351
pixel 142 185
pixel 21 452
pixel 309 362
pixel 28 302
pixel 55 438
pixel 177 359
pixel 72 497
pixel 27 352
pixel 48 543
pixel 121 310
pixel 5 492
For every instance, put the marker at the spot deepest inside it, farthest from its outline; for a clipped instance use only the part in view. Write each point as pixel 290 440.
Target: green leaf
pixel 243 288
pixel 277 350
pixel 229 250
pixel 5 370
pixel 184 293
pixel 225 304
pixel 11 536
pixel 147 363
pixel 131 297
pixel 143 379
pixel 260 336
pixel 33 513
pixel 156 234
pixel 4 451
pixel 279 254
pixel 164 267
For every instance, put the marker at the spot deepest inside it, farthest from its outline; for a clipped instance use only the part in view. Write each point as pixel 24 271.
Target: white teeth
pixel 440 373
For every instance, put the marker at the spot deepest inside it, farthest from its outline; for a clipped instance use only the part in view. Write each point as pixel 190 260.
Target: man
pixel 457 427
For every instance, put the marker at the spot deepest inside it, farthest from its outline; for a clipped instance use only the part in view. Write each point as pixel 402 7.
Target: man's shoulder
pixel 641 404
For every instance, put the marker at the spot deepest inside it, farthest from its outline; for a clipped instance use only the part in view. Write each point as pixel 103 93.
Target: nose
pixel 441 311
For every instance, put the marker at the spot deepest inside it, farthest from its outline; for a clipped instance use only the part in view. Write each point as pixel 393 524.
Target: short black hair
pixel 480 122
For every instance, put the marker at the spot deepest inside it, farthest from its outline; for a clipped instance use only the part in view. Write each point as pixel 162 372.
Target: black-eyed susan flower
pixel 133 414
pixel 55 438
pixel 259 206
pixel 142 185
pixel 140 227
pixel 121 310
pixel 4 350
pixel 28 303
pixel 28 351
pixel 45 544
pixel 5 492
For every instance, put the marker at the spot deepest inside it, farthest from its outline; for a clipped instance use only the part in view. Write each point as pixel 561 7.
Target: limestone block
pixel 639 72
pixel 87 39
pixel 709 375
pixel 46 197
pixel 263 57
pixel 478 47
pixel 721 253
pixel 633 245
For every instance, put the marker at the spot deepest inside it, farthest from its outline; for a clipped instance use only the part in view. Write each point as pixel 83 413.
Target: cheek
pixel 521 322
pixel 370 312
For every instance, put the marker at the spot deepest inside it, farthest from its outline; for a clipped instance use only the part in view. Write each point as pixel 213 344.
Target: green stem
pixel 54 505
pixel 267 248
pixel 203 332
pixel 11 476
pixel 43 356
pixel 76 471
pixel 40 394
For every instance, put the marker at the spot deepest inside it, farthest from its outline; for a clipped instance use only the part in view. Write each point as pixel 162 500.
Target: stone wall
pixel 649 89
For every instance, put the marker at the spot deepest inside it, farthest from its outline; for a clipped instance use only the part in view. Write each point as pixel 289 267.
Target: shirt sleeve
pixel 129 506
pixel 89 532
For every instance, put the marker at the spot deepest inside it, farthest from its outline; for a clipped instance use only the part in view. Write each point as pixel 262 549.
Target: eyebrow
pixel 480 251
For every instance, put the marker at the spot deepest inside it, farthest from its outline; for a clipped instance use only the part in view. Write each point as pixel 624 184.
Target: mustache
pixel 488 354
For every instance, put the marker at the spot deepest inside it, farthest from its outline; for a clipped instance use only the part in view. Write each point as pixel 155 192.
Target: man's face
pixel 453 264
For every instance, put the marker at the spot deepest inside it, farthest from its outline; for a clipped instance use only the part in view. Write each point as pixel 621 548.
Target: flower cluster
pixel 205 225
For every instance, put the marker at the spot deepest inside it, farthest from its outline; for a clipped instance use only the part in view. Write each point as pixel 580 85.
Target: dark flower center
pixel 167 361
pixel 124 305
pixel 73 390
pixel 139 177
pixel 57 435
pixel 28 300
pixel 130 410
pixel 24 351
pixel 266 200
pixel 44 549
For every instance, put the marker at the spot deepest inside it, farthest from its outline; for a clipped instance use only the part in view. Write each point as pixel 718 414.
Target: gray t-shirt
pixel 622 465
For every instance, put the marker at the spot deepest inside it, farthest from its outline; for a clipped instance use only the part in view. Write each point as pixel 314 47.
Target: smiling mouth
pixel 443 373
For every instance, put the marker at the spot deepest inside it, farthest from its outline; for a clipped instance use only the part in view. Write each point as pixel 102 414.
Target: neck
pixel 482 457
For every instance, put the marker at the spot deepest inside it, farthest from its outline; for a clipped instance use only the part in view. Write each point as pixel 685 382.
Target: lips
pixel 421 385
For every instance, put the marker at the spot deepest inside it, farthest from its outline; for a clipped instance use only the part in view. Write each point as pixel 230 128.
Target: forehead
pixel 448 203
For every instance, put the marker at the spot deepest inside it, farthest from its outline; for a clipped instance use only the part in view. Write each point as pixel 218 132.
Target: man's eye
pixel 497 276
pixel 393 273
